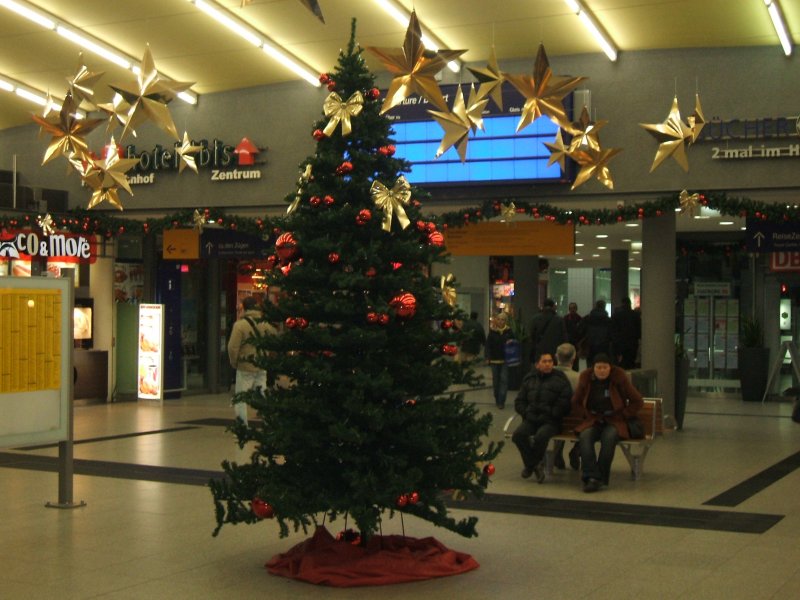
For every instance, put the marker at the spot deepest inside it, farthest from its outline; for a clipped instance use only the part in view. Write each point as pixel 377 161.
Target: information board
pixel 151 352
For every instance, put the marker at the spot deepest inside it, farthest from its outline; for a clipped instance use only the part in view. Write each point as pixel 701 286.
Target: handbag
pixel 513 353
pixel 635 428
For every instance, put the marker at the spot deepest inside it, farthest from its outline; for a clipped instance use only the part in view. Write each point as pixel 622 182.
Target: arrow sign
pixel 224 243
pixel 764 236
pixel 758 237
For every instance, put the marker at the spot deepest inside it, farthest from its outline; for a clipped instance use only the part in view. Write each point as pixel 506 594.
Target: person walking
pixel 547 330
pixel 499 335
pixel 474 338
pixel 626 329
pixel 596 328
pixel 241 352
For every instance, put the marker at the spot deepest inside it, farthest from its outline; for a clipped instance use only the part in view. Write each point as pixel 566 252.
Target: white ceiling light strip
pixel 38 97
pixel 76 36
pixel 779 23
pixel 402 16
pixel 224 17
pixel 594 27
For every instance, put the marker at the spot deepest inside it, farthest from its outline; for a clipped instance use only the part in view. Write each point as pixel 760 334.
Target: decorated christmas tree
pixel 367 426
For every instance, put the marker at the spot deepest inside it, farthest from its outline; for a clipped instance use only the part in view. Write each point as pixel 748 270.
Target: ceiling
pixel 189 46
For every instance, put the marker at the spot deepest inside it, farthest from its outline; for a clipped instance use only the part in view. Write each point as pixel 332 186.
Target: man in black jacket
pixel 543 401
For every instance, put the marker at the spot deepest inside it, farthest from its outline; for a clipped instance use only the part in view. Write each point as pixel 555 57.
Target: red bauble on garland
pixel 324 78
pixel 261 509
pixel 290 322
pixel 315 201
pixel 319 135
pixel 333 258
pixel 447 324
pixel 387 150
pixel 285 246
pixel 344 168
pixel 402 500
pixel 372 317
pixel 450 349
pixel 373 94
pixel 436 239
pixel 405 305
pixel 328 200
pixel 331 85
pixel 371 272
pixel 489 469
pixel 364 216
pixel 383 319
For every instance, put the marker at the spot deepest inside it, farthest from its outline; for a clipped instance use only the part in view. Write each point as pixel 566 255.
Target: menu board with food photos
pixel 128 282
pixel 151 357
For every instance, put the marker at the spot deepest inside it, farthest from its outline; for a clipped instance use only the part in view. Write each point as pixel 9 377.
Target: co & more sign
pixel 65 247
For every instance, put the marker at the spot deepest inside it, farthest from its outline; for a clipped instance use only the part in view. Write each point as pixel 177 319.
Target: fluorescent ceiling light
pixel 76 36
pixel 601 236
pixel 30 96
pixel 591 23
pixel 631 224
pixel 402 16
pixel 778 22
pixel 38 97
pixel 726 222
pixel 4 85
pixel 226 18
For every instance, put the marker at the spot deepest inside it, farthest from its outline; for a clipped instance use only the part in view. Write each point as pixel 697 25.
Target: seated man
pixel 543 401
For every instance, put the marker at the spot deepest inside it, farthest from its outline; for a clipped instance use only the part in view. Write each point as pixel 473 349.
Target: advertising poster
pixel 151 359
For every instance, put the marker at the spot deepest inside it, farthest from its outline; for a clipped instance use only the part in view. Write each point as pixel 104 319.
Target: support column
pixel 619 277
pixel 658 305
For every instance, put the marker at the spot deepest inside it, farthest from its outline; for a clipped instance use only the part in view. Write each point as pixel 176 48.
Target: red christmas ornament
pixel 364 216
pixel 421 226
pixel 285 269
pixel 285 246
pixel 450 349
pixel 328 200
pixel 319 135
pixel 396 265
pixel 261 509
pixel 344 168
pixel 413 498
pixel 314 201
pixel 324 78
pixel 431 227
pixel 405 305
pixel 447 324
pixel 402 500
pixel 290 322
pixel 371 272
pixel 374 94
pixel 489 469
pixel 331 85
pixel 302 323
pixel 372 317
pixel 333 258
pixel 436 239
pixel 383 319
pixel 387 150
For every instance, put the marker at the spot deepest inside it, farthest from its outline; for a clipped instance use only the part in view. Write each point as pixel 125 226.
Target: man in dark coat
pixel 596 328
pixel 548 331
pixel 626 329
pixel 542 402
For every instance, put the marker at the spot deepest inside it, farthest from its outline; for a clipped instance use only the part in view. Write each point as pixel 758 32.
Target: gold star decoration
pixel 457 124
pixel 544 92
pixel 585 132
pixel 46 224
pixel 414 68
pixel 304 178
pixel 508 212
pixel 449 294
pixel 558 151
pixel 313 6
pixel 186 152
pixel 116 113
pixel 341 112
pixel 106 176
pixel 594 163
pixel 671 136
pixel 696 120
pixel 391 201
pixel 68 131
pixel 490 80
pixel 689 202
pixel 199 220
pixel 148 98
pixel 81 84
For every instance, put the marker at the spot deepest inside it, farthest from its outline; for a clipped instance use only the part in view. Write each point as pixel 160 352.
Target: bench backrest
pixel 650 415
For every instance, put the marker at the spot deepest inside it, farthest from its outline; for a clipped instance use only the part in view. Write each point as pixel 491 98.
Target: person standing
pixel 547 330
pixel 596 328
pixel 626 329
pixel 605 398
pixel 474 337
pixel 572 322
pixel 565 360
pixel 499 334
pixel 542 402
pixel 241 352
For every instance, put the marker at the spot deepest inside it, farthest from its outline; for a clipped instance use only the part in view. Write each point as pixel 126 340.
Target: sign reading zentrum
pixel 225 162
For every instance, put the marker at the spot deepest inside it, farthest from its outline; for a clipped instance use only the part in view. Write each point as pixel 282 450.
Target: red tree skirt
pixel 385 560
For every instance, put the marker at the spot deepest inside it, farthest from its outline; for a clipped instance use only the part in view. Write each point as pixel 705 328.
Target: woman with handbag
pixel 606 400
pixel 499 334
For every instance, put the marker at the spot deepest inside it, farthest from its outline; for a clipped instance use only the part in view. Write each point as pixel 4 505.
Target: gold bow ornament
pixel 46 223
pixel 391 201
pixel 689 202
pixel 448 290
pixel 508 212
pixel 340 111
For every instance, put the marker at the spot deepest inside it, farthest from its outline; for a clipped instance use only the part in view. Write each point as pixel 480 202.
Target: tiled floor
pixel 683 531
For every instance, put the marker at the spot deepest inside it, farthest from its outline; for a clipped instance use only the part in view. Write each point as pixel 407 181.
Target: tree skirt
pixel 385 560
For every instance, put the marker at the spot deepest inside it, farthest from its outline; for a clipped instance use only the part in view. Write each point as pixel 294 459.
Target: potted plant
pixel 753 360
pixel 681 381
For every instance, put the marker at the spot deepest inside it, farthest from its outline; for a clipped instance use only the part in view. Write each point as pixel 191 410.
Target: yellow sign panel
pixel 180 244
pixel 524 238
pixel 30 340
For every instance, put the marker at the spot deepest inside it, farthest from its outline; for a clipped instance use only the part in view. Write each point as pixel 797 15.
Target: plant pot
pixel 753 373
pixel 681 389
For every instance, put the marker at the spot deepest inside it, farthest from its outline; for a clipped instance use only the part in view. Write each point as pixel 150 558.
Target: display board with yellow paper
pixel 519 238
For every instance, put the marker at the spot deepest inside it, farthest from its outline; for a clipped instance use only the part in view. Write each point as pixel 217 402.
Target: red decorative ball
pixel 383 319
pixel 285 246
pixel 290 322
pixel 372 317
pixel 324 78
pixel 314 201
pixel 447 324
pixel 436 239
pixel 261 509
pixel 344 168
pixel 405 305
pixel 371 272
pixel 402 500
pixel 387 150
pixel 431 227
pixel 410 402
pixel 396 265
pixel 413 498
pixel 450 349
pixel 421 226
pixel 319 135
pixel 328 200
pixel 374 94
pixel 489 469
pixel 365 215
pixel 333 258
pixel 331 85
pixel 302 323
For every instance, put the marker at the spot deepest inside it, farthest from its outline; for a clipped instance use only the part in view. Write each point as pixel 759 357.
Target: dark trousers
pixel 598 466
pixel 533 453
pixel 499 383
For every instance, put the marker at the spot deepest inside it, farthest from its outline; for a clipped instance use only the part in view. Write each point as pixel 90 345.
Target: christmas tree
pixel 367 427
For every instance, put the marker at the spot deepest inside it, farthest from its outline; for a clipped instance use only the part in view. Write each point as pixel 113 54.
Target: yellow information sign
pixel 523 238
pixel 180 244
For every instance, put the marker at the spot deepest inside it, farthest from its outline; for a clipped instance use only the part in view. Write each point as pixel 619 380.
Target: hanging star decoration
pixel 46 224
pixel 116 113
pixel 68 131
pixel 672 136
pixel 508 212
pixel 585 132
pixel 186 152
pixel 414 68
pixel 449 294
pixel 490 80
pixel 688 202
pixel 544 92
pixel 313 6
pixel 304 178
pixel 458 122
pixel 696 120
pixel 558 151
pixel 106 176
pixel 199 220
pixel 391 201
pixel 81 84
pixel 148 98
pixel 341 112
pixel 594 163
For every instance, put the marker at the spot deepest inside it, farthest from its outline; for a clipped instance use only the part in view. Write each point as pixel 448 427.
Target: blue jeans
pixel 499 383
pixel 598 467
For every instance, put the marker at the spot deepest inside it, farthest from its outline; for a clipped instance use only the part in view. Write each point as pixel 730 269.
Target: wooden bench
pixel 635 451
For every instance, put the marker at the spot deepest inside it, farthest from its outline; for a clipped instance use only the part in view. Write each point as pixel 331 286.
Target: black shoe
pixel 558 462
pixel 575 458
pixel 526 473
pixel 591 485
pixel 539 471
